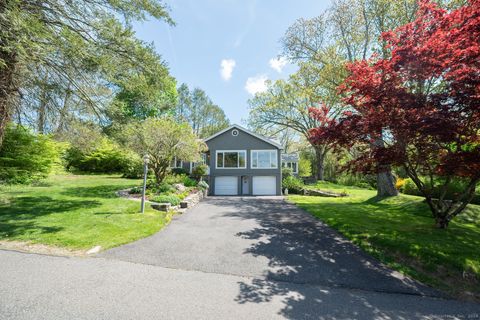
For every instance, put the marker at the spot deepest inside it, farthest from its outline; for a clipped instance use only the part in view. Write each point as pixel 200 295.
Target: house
pixel 242 162
pixel 290 160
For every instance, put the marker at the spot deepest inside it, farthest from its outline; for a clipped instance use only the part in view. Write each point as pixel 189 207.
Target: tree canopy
pixel 421 101
pixel 196 108
pixel 60 58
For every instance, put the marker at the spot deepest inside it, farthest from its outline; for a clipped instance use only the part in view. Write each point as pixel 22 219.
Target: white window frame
pixel 223 151
pixel 175 164
pixel 286 163
pixel 264 150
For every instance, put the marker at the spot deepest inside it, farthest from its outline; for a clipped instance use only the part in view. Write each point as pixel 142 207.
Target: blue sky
pixel 244 34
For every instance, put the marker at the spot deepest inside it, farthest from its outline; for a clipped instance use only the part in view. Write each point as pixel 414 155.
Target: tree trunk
pixel 385 178
pixel 441 222
pixel 320 159
pixel 8 83
pixel 63 112
pixel 41 119
pixel 386 184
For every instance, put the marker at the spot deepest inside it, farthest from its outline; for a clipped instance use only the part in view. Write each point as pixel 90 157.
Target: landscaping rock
pixel 162 206
pixel 321 193
pixel 180 187
pixel 94 250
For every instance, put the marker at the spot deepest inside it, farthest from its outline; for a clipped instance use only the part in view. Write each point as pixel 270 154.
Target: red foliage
pixel 423 101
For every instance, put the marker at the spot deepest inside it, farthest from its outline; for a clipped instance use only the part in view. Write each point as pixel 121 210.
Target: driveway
pixel 266 238
pixel 227 258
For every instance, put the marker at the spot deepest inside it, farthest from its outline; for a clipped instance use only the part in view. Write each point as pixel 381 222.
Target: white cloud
pixel 256 84
pixel 278 63
pixel 226 68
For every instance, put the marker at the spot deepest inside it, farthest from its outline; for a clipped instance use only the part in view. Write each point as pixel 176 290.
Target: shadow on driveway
pixel 283 253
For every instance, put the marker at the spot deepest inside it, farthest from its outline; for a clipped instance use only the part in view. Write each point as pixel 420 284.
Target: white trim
pixel 223 151
pixel 260 150
pixel 256 135
pixel 285 165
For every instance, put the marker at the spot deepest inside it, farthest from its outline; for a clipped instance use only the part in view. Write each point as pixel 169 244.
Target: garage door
pixel 265 186
pixel 226 186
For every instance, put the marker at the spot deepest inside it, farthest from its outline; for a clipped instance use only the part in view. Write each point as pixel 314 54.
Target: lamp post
pixel 146 159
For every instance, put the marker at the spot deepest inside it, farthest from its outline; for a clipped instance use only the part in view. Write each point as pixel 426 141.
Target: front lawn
pixel 76 211
pixel 400 232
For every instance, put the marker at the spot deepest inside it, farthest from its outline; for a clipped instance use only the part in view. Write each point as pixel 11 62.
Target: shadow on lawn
pixel 306 259
pixel 105 192
pixel 18 217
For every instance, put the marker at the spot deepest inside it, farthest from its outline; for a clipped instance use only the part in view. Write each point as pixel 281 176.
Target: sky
pixel 228 48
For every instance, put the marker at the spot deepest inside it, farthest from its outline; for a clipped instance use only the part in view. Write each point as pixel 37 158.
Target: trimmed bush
pixel 172 199
pixel 26 157
pixel 199 171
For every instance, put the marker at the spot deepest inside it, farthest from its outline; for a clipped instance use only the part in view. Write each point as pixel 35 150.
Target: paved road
pixel 228 258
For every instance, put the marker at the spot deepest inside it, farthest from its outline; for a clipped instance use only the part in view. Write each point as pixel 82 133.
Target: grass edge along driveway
pixel 400 232
pixel 76 212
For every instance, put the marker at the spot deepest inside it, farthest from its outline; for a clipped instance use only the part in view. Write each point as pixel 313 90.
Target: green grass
pixel 400 232
pixel 75 211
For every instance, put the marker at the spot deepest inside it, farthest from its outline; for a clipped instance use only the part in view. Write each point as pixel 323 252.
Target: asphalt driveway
pixel 266 238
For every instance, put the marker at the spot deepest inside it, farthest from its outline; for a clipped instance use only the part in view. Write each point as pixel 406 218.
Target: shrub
pixel 26 157
pixel 287 172
pixel 400 183
pixel 357 180
pixel 294 185
pixel 133 166
pixel 304 167
pixel 179 171
pixel 455 187
pixel 135 190
pixel 172 199
pixel 203 185
pixel 164 188
pixel 199 171
pixel 187 182
pixel 105 157
pixel 410 188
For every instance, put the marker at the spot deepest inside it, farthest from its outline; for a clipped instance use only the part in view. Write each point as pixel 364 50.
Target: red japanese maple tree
pixel 422 103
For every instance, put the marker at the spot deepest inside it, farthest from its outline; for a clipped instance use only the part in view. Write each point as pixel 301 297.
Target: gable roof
pixel 256 135
pixel 290 157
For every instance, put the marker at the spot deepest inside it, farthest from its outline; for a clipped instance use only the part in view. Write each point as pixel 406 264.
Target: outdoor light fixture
pixel 146 160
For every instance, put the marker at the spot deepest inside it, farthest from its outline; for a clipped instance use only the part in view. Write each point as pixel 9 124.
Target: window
pixel 264 159
pixel 291 165
pixel 176 163
pixel 203 160
pixel 231 159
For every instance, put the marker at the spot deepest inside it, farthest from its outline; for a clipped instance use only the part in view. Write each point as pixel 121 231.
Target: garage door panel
pixel 226 186
pixel 264 185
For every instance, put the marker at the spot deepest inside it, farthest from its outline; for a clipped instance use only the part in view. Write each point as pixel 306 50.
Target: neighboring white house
pixel 290 160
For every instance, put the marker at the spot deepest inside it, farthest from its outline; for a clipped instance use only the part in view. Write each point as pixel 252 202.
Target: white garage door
pixel 264 186
pixel 226 186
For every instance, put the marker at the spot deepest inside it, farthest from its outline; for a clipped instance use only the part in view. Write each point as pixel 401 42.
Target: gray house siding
pixel 247 142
